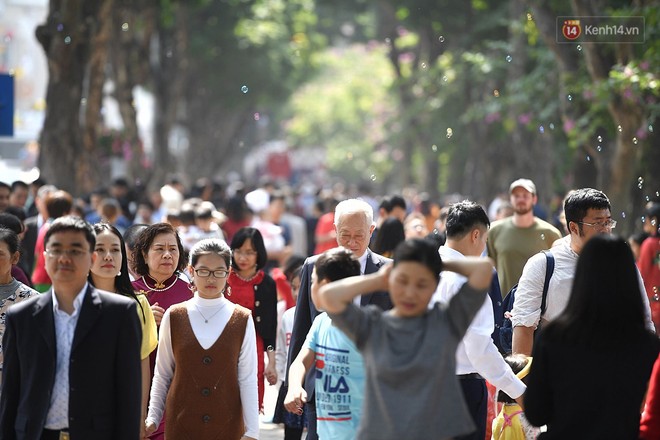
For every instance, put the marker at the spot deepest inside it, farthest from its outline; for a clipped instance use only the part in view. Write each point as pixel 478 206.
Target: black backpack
pixel 506 331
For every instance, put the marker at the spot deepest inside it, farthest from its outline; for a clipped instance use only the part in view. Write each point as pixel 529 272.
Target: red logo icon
pixel 571 29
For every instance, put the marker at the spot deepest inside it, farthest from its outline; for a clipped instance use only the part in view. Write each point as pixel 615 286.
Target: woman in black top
pixel 592 364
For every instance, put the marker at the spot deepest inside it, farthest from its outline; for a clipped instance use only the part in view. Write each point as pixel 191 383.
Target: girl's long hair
pixel 605 306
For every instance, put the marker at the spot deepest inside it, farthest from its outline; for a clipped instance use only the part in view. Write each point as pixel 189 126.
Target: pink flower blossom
pixel 627 93
pixel 406 57
pixel 524 118
pixel 569 125
pixel 492 117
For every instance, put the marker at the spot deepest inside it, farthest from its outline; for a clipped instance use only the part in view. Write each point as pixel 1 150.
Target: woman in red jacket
pixel 255 290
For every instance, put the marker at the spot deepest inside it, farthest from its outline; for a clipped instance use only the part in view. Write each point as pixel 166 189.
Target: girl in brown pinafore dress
pixel 205 374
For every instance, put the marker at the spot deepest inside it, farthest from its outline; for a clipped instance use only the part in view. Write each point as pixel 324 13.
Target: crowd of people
pixel 134 314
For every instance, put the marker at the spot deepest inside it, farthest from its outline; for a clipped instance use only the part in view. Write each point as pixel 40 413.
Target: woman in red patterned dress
pixel 158 259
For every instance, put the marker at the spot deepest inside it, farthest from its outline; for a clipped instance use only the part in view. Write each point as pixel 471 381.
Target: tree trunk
pixel 387 24
pixel 87 173
pixel 65 39
pixel 125 78
pixel 626 115
pixel 214 134
pixel 170 78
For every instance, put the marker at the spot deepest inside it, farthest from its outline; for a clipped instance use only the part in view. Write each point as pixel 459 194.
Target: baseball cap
pixel 523 183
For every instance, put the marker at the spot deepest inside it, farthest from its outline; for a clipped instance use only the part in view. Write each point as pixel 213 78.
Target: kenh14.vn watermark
pixel 571 29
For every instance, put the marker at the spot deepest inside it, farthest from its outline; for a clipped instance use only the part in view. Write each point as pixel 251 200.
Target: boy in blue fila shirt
pixel 339 367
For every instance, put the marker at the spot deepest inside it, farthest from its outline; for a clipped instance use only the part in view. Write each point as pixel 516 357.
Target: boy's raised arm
pixel 334 297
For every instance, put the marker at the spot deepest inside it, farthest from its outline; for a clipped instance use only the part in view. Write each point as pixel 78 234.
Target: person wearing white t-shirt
pixel 588 213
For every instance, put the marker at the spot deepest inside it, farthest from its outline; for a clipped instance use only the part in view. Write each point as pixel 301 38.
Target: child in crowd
pixel 294 423
pixel 510 423
pixel 339 367
pixel 411 389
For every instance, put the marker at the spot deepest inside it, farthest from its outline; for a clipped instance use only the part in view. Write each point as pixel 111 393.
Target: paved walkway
pixel 269 431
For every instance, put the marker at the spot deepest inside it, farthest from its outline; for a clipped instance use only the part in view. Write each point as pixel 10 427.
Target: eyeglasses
pixel 71 253
pixel 247 254
pixel 204 273
pixel 607 224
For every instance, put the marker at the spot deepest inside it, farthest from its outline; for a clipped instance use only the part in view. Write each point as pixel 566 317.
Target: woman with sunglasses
pixel 206 366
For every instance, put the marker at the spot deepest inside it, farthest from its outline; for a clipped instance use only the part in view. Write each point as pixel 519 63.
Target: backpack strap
pixel 549 269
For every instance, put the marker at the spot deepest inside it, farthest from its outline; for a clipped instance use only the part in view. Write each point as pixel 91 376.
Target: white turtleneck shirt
pixel 217 311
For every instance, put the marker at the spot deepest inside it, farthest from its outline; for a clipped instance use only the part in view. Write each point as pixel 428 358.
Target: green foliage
pixel 252 52
pixel 344 110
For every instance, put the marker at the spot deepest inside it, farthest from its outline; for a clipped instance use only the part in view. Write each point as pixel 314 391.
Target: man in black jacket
pixel 354 225
pixel 72 355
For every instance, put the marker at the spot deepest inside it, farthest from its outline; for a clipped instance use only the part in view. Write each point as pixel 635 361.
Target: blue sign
pixel 6 105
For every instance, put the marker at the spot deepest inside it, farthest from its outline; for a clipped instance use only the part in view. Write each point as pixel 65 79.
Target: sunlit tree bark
pixel 71 31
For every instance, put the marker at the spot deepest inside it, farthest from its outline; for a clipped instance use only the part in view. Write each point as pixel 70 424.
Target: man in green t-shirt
pixel 514 239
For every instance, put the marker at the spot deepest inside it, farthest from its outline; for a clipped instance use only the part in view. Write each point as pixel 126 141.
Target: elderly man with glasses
pixel 588 213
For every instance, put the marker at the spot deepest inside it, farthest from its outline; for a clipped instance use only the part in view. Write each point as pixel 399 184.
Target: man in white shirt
pixel 477 357
pixel 588 213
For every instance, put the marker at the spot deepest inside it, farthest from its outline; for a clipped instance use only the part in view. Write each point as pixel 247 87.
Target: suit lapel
pixel 43 313
pixel 371 266
pixel 89 313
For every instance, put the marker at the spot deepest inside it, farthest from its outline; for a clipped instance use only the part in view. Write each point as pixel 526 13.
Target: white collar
pixel 77 301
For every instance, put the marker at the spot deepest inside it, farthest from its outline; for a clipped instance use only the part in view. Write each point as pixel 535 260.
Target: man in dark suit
pixel 71 355
pixel 354 225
